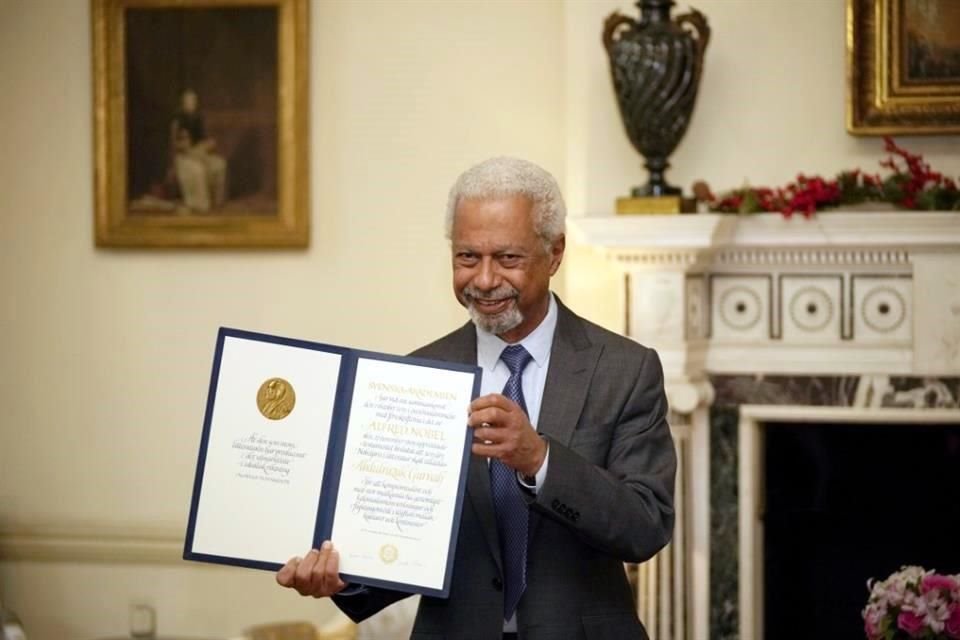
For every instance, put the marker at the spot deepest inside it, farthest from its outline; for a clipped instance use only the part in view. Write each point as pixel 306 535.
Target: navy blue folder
pixel 338 430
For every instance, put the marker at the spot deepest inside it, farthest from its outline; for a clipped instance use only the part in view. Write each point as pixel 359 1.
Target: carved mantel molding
pixel 743 294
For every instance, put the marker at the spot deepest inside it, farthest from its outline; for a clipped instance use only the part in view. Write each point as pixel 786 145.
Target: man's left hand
pixel 502 430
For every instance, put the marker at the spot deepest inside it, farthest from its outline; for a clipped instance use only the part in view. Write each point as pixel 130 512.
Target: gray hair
pixel 503 177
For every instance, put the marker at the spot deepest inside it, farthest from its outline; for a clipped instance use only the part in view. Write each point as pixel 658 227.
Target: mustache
pixel 502 292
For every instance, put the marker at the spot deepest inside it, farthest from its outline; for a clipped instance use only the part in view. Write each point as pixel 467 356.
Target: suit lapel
pixel 459 346
pixel 573 359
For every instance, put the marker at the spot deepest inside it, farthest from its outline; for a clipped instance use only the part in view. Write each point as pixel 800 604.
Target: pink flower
pixel 937 581
pixel 911 623
pixel 872 622
pixel 930 607
pixel 952 626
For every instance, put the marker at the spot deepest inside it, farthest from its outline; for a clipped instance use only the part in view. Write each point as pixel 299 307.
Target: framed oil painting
pixel 201 123
pixel 903 67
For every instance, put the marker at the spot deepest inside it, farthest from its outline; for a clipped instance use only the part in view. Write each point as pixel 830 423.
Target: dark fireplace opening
pixel 847 502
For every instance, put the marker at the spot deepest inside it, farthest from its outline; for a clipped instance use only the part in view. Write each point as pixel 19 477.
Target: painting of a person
pixel 932 41
pixel 201 174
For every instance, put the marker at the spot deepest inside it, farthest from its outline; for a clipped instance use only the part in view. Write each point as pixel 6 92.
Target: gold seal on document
pixel 388 553
pixel 276 398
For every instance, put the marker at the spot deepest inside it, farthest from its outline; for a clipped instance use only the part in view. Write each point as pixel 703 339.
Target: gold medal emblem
pixel 388 553
pixel 276 398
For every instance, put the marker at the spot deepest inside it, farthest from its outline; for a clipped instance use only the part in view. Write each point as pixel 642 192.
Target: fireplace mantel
pixel 711 231
pixel 841 292
pixel 869 294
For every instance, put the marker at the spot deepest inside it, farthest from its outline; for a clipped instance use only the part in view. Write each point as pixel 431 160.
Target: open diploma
pixel 304 442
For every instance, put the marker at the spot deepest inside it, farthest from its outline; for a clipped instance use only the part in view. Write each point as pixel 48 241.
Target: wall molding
pixel 814 256
pixel 95 543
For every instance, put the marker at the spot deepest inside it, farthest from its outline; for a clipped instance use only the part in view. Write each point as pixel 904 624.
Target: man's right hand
pixel 316 574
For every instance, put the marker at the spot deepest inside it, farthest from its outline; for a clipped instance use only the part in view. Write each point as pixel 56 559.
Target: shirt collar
pixel 538 342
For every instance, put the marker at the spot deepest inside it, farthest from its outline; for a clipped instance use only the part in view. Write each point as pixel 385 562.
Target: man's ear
pixel 556 253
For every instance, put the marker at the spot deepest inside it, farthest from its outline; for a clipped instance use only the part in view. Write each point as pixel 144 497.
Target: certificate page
pixel 265 451
pixel 402 475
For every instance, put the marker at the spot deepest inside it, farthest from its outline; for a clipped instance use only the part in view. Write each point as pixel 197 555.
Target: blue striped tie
pixel 512 513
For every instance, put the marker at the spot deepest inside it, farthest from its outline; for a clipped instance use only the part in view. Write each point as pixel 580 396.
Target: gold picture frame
pixel 201 123
pixel 903 67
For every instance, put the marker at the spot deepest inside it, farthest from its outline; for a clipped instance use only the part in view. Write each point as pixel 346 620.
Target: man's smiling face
pixel 501 268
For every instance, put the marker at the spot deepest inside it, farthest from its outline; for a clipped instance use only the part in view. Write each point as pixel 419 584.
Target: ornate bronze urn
pixel 656 64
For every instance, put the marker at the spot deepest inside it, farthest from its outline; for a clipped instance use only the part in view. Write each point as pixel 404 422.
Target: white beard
pixel 498 324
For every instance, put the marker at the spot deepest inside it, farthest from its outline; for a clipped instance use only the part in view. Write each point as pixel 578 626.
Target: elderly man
pixel 573 464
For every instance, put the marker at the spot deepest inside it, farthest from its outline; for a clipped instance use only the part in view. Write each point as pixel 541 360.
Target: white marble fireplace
pixel 870 299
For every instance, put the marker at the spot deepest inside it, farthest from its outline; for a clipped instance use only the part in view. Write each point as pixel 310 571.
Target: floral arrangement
pixel 911 185
pixel 913 603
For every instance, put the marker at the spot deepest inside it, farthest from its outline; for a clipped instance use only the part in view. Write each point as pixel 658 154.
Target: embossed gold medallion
pixel 276 398
pixel 388 553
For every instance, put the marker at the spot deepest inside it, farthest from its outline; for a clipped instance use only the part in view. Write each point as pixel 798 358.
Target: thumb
pixel 287 572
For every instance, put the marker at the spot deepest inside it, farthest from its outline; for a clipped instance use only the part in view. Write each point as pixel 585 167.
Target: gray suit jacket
pixel 607 499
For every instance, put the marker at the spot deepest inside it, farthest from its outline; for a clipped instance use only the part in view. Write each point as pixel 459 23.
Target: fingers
pixel 303 576
pixel 331 574
pixel 498 425
pixel 500 442
pixel 486 449
pixel 521 449
pixel 286 573
pixel 493 401
pixel 502 430
pixel 488 434
pixel 501 436
pixel 497 410
pixel 483 439
pixel 489 415
pixel 317 574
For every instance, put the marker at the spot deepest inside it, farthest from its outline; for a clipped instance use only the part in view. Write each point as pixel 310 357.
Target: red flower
pixel 911 623
pixel 912 180
pixel 937 581
pixel 952 623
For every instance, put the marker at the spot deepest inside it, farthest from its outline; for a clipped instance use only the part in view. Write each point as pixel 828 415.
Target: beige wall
pixel 107 353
